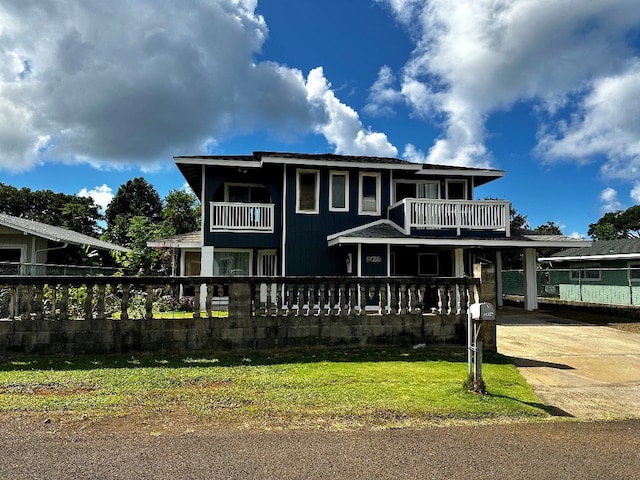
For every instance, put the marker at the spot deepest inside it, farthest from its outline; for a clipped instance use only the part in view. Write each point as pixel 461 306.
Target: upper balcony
pixel 420 214
pixel 241 217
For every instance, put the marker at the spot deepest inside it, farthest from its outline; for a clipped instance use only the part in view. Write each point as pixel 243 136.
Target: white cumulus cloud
pixel 102 195
pixel 609 200
pixel 574 63
pixel 118 82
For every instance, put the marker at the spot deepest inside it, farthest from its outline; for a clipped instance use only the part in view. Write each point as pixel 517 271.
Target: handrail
pixel 456 214
pixel 241 217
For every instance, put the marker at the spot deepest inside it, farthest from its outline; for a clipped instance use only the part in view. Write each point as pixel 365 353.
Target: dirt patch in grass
pixel 45 390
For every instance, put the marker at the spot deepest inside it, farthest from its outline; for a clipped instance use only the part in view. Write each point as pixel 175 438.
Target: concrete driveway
pixel 581 370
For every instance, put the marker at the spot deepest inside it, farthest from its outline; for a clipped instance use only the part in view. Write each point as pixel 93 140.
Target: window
pixel 369 194
pixel 456 189
pixel 308 191
pixel 231 262
pixel 246 193
pixel 589 273
pixel 407 189
pixel 428 264
pixel 192 263
pixel 339 191
pixel 10 259
pixel 634 272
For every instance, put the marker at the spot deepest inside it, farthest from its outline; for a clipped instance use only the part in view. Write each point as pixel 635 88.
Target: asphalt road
pixel 32 449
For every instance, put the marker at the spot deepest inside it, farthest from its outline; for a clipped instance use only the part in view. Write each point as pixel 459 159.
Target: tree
pixel 549 228
pixel 620 224
pixel 140 230
pixel 136 198
pixel 136 215
pixel 181 212
pixel 513 259
pixel 80 214
pixel 518 221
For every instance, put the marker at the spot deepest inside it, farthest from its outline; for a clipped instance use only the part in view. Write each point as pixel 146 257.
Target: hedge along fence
pixel 51 315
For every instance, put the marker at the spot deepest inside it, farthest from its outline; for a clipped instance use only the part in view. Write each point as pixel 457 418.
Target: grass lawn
pixel 325 389
pixel 177 314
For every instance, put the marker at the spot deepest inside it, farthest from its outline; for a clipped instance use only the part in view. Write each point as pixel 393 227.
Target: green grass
pixel 176 314
pixel 370 388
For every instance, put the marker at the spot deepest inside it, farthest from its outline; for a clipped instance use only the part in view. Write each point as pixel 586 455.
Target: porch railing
pixel 241 217
pixel 455 214
pixel 95 315
pixel 64 298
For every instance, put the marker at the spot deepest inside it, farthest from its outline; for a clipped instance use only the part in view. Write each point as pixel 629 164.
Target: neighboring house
pixel 290 214
pixel 26 242
pixel 607 272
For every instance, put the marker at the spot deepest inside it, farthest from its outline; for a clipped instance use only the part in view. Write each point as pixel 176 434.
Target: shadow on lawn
pixel 453 353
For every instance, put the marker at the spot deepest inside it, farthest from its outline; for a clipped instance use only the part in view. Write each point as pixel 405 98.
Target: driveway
pixel 579 369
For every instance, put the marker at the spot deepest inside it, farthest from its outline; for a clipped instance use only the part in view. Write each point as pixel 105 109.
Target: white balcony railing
pixel 457 214
pixel 241 217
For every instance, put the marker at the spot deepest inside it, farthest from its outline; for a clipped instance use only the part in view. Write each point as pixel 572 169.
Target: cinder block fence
pixel 102 315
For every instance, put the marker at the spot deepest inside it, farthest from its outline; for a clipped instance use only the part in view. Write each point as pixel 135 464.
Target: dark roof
pixel 190 165
pixel 383 230
pixel 335 157
pixel 603 249
pixel 56 234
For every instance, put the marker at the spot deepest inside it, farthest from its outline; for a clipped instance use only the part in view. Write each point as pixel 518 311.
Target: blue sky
pixel 95 93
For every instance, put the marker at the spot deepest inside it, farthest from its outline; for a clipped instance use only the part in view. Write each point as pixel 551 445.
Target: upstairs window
pixel 408 189
pixel 308 191
pixel 456 189
pixel 339 191
pixel 246 193
pixel 369 194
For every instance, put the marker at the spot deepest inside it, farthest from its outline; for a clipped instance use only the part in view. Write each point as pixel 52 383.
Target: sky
pixel 95 93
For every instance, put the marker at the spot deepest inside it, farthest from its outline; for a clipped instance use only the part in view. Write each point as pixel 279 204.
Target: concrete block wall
pixel 241 331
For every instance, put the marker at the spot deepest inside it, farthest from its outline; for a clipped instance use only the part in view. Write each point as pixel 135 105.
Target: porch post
pixel 458 262
pixel 530 284
pixel 499 300
pixel 206 270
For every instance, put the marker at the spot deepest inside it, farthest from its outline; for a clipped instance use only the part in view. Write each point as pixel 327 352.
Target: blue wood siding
pixel 307 252
pixel 216 177
pixel 374 260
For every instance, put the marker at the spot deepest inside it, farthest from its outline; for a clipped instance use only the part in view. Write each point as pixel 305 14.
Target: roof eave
pixel 617 256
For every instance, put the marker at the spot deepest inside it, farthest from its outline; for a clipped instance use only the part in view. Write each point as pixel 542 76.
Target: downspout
pixel 50 249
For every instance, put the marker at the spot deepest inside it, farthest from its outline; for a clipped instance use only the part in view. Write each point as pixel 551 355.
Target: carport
pixel 580 369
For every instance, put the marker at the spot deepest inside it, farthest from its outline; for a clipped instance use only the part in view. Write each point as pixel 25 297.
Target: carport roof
pixel 386 232
pixel 183 240
pixel 620 249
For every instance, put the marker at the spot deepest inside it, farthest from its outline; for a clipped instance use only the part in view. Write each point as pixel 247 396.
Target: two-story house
pixel 292 214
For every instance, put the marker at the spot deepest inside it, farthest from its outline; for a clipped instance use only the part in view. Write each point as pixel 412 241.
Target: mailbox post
pixel 479 317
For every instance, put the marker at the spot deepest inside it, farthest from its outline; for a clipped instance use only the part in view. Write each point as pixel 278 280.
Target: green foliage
pixel 549 228
pixel 136 216
pixel 136 198
pixel 518 221
pixel 80 214
pixel 141 258
pixel 614 225
pixel 181 212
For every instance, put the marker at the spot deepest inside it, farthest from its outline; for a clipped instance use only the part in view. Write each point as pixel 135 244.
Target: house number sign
pixel 373 259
